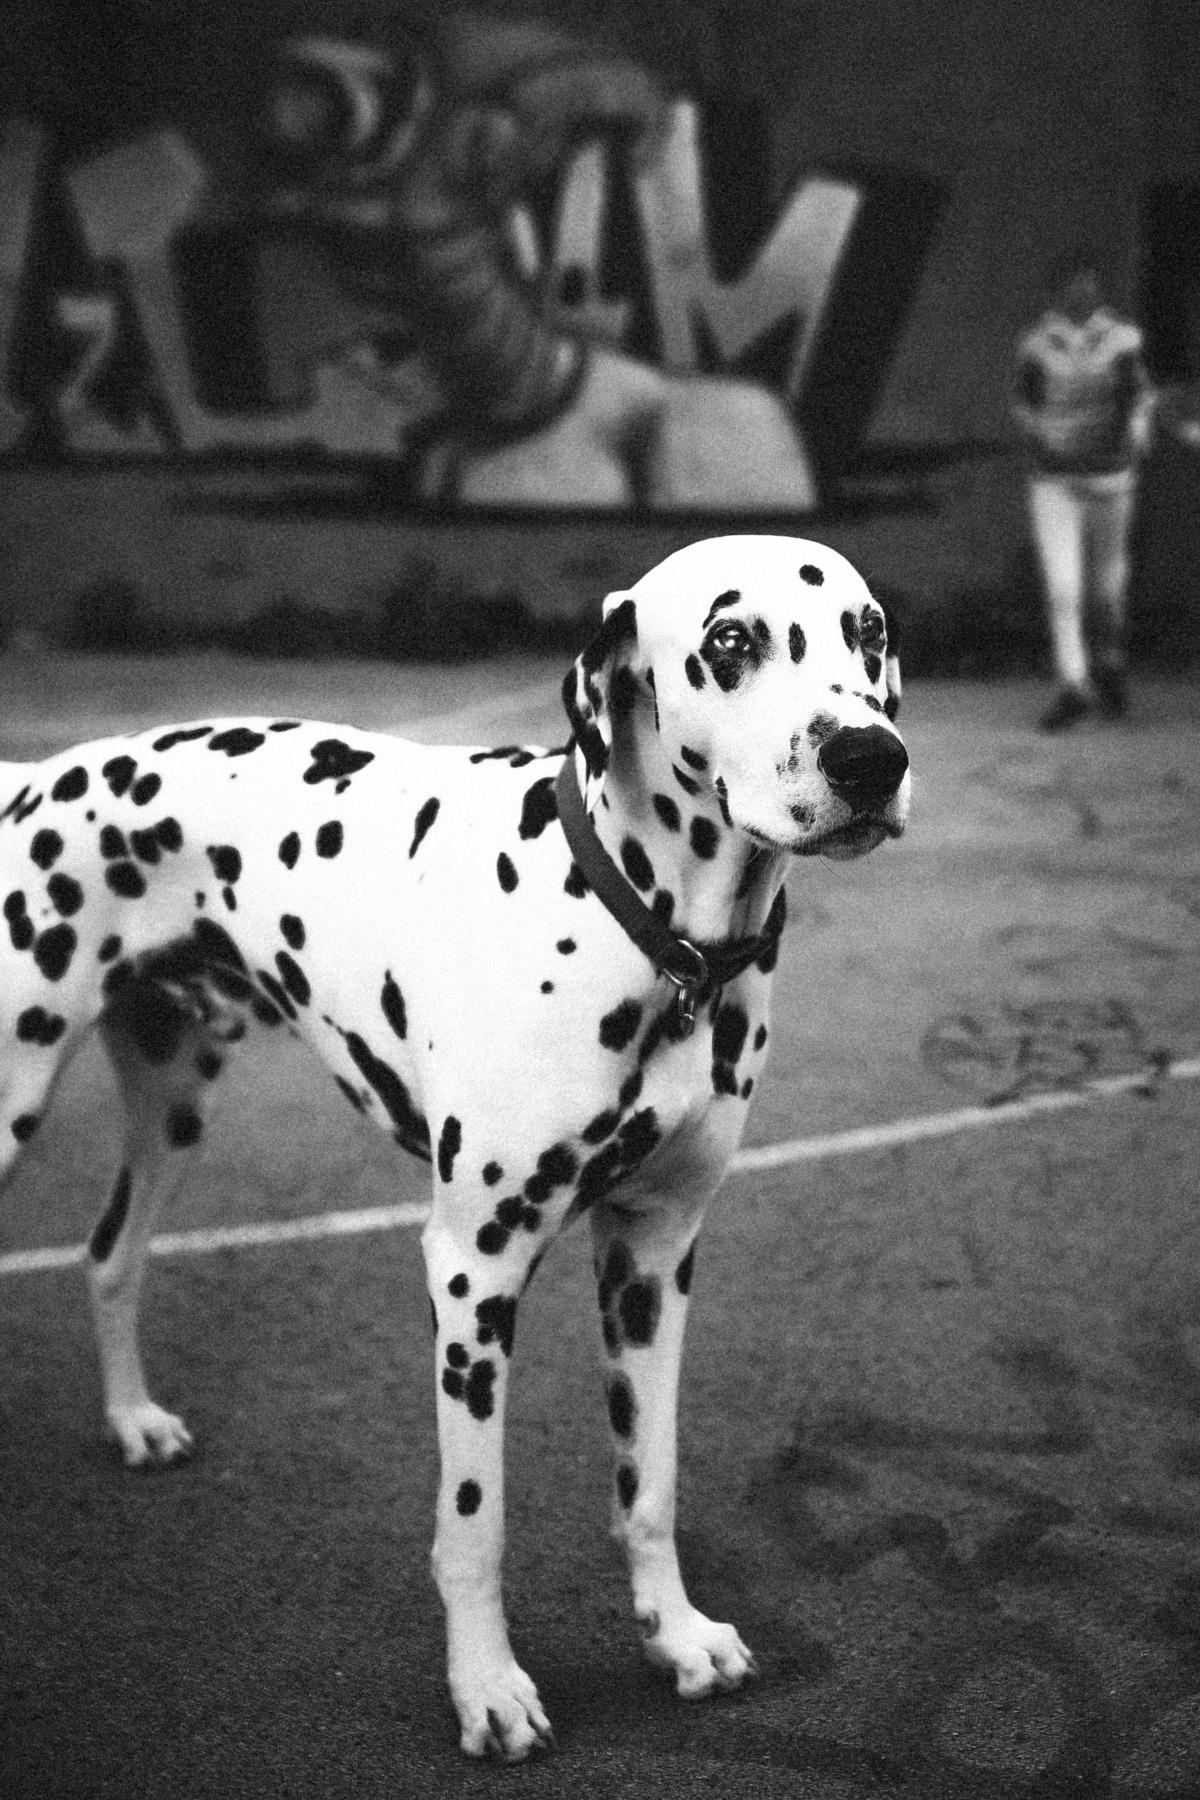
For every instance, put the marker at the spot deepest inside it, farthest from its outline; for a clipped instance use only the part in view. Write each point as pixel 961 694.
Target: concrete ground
pixel 941 1426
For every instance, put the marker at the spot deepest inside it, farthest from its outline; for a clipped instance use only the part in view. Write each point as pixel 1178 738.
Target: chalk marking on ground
pixel 865 1138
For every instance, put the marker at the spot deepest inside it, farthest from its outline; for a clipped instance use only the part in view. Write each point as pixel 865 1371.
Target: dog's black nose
pixel 863 764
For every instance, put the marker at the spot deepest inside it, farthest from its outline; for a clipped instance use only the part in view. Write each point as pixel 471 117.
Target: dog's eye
pixel 874 632
pixel 729 638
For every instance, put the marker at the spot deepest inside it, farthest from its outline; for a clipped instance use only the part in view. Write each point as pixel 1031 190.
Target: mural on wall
pixel 485 259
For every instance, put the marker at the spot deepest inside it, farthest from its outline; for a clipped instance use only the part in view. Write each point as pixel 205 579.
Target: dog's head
pixel 775 685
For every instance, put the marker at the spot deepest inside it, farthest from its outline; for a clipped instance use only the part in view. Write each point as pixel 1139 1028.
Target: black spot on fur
pixel 449 1145
pixel 53 951
pixel 394 1010
pixel 181 737
pixel 71 786
pixel 184 1127
pixel 459 1286
pixel 776 919
pixel 702 835
pixel 411 1128
pixel 469 1498
pixel 112 843
pixel 492 1238
pixel 119 771
pixel 238 741
pixel 683 1274
pixel 538 809
pixel 293 977
pixel 637 864
pixel 497 1322
pixel 422 822
pixel 209 1064
pixel 797 643
pixel 476 1387
pixel 729 598
pixel 576 883
pixel 352 1094
pixel 685 781
pixel 850 631
pixel 285 725
pixel 226 861
pixel 492 1173
pixel 810 573
pixel 555 1168
pixel 37 1026
pixel 46 848
pixel 24 1126
pixel 760 1037
pixel 332 760
pixel 110 948
pixel 506 874
pixel 20 806
pixel 622 1406
pixel 618 1026
pixel 145 846
pixel 330 838
pixel 293 930
pixel 627 1485
pixel 639 1308
pixel 693 668
pixel 693 758
pixel 125 879
pixel 289 849
pixel 667 811
pixel 108 1226
pixel 66 895
pixel 145 788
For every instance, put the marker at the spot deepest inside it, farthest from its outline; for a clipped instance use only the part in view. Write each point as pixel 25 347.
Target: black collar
pixel 696 970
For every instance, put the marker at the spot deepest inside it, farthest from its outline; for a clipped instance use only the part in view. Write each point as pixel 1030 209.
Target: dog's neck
pixel 721 884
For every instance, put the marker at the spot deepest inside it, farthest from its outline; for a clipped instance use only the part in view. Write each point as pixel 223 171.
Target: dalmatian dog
pixel 544 972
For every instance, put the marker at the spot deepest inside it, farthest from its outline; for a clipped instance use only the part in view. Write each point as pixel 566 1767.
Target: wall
pixel 986 137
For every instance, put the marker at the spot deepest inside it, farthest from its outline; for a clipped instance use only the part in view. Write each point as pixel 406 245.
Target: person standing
pixel 1083 401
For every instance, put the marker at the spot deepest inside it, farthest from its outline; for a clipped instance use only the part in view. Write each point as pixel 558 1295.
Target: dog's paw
pixel 704 1657
pixel 148 1436
pixel 501 1715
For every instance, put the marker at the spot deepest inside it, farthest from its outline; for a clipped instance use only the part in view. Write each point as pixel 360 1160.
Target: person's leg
pixel 1056 513
pixel 1110 518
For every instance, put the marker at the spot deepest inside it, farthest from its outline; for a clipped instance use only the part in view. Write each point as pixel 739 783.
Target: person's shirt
pixel 1081 395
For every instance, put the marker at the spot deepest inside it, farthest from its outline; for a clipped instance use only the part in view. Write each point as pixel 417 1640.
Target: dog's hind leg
pixel 166 1061
pixel 644 1270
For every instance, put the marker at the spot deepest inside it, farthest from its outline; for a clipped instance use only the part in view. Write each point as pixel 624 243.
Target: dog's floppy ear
pixel 886 597
pixel 587 690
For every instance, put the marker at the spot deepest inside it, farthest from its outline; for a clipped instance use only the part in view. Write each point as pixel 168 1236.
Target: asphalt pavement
pixel 941 1421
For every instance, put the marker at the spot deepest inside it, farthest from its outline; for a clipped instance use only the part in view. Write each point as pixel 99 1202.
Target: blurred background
pixel 411 327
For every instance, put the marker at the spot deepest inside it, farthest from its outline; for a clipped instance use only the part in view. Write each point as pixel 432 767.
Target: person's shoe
pixel 1112 690
pixel 1067 708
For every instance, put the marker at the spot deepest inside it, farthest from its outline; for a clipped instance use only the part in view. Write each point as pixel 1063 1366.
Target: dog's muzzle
pixel 864 765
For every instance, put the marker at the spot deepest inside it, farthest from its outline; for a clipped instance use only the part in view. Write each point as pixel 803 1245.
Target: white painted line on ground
pixel 966 1118
pixel 234 1237
pixel 747 1162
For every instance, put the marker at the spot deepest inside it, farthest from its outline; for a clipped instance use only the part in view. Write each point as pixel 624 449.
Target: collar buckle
pixel 685 967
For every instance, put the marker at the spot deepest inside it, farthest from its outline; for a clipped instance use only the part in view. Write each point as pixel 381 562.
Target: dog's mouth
pixel 856 837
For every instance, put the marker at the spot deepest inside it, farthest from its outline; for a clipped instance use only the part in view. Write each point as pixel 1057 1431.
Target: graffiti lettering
pixel 128 319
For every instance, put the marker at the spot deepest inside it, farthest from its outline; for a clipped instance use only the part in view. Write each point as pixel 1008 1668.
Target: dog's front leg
pixel 644 1269
pixel 474 1306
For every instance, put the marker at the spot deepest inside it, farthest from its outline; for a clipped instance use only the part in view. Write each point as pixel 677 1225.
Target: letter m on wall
pixel 841 264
